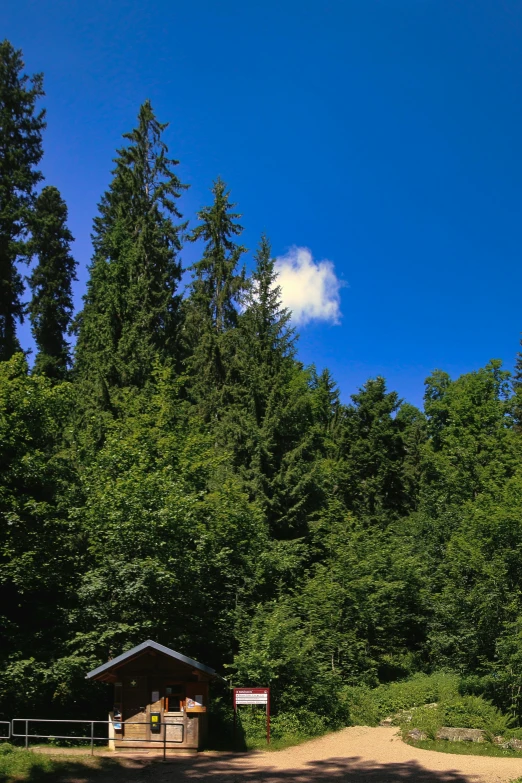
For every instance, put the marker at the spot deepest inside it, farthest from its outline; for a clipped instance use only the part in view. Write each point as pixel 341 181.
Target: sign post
pixel 253 696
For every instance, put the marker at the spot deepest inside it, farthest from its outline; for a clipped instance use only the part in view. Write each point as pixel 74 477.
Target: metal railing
pixel 92 738
pixel 8 735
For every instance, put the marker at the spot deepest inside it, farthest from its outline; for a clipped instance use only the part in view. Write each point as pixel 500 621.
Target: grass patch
pixel 466 748
pixel 278 743
pixel 18 765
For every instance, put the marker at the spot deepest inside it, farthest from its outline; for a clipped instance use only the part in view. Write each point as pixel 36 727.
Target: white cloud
pixel 310 289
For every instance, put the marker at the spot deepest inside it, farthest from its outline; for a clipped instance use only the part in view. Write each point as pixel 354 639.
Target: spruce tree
pixel 265 322
pixel 216 293
pixel 262 360
pixel 51 306
pixel 517 388
pixel 218 285
pixel 20 152
pixel 131 307
pixel 373 450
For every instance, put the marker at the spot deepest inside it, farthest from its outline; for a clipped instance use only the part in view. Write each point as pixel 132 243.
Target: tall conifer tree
pixel 51 306
pixel 265 320
pixel 218 284
pixel 20 152
pixel 131 306
pixel 517 387
pixel 216 293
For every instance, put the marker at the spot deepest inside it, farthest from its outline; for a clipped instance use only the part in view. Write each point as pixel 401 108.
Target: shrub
pixel 428 718
pixel 287 727
pixel 467 712
pixel 299 724
pixel 370 705
pixel 361 705
pixel 474 712
pixel 425 702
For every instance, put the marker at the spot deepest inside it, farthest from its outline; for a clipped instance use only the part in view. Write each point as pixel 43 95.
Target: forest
pixel 170 470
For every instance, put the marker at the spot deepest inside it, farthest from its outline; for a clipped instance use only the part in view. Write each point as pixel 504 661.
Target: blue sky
pixel 382 135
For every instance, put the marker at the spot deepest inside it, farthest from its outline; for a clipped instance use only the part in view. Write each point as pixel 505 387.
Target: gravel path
pixel 353 755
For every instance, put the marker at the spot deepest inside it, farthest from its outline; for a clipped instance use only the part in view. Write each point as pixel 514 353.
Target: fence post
pixel 26 734
pixel 92 738
pixel 164 742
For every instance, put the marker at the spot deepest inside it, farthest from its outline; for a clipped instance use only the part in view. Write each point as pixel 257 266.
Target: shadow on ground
pixel 242 768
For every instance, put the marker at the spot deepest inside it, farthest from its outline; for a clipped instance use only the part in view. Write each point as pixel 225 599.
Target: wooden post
pixel 268 718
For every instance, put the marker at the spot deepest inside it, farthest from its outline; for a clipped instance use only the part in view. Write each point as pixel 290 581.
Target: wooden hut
pixel 159 694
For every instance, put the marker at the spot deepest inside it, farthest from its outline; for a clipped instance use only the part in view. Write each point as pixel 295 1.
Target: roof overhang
pixel 105 672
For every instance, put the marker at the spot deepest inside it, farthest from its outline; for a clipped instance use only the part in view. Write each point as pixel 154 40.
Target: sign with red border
pixel 244 696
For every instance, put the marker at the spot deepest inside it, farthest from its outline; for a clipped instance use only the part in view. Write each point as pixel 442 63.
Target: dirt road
pixel 353 755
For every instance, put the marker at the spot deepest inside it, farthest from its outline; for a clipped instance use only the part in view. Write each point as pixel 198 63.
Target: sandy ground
pixel 353 755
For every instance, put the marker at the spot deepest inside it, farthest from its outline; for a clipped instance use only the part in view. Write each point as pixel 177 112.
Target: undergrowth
pixel 426 702
pixel 17 764
pixel 286 729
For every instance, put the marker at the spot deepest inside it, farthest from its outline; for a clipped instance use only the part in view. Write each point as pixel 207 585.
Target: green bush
pixel 474 712
pixel 428 718
pixel 6 748
pixel 425 702
pixel 368 706
pixel 467 712
pixel 300 723
pixel 286 728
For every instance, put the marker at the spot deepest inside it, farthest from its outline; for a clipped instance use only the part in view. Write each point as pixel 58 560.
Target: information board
pixel 251 695
pixel 245 696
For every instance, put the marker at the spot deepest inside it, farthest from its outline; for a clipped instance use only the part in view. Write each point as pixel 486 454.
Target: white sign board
pixel 251 695
pixel 251 698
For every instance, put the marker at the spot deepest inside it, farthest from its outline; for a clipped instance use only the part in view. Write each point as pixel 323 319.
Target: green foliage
pixel 286 728
pixel 130 316
pixel 468 749
pixel 424 702
pixel 20 152
pixel 211 310
pixel 468 712
pixel 17 764
pixel 474 712
pixel 51 306
pixel 194 483
pixel 368 706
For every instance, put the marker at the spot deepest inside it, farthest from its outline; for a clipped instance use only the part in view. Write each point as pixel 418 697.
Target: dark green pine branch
pixel 20 152
pixel 51 306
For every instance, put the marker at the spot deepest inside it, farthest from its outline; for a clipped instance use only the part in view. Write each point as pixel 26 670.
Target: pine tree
pixel 268 336
pixel 217 283
pixel 215 297
pixel 20 152
pixel 373 451
pixel 130 316
pixel 261 362
pixel 51 306
pixel 517 388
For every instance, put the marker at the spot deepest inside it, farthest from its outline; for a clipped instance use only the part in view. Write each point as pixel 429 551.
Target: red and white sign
pixel 251 696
